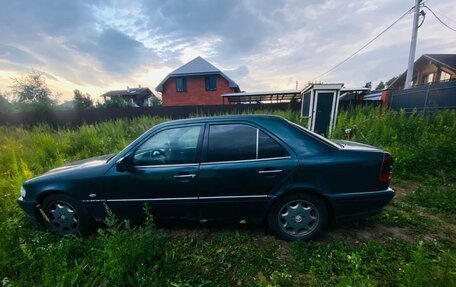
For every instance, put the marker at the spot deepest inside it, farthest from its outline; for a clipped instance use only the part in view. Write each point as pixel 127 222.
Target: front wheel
pixel 67 216
pixel 299 216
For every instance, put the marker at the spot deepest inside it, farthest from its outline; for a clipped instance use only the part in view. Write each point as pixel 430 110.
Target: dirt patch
pixel 351 233
pixel 401 192
pixel 348 233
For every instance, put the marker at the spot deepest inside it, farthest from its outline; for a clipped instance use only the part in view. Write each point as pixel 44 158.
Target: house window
pixel 181 84
pixel 428 78
pixel 444 76
pixel 211 83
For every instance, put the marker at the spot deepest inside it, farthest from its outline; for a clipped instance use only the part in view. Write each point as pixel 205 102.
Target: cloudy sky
pixel 100 45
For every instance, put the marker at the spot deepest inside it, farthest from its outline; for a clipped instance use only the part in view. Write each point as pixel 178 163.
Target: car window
pixel 171 146
pixel 231 142
pixel 241 142
pixel 269 148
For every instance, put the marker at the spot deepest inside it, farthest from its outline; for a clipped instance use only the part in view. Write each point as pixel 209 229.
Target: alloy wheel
pixel 63 217
pixel 298 218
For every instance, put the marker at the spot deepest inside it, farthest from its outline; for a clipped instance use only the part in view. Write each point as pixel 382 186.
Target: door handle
pixel 270 171
pixel 183 176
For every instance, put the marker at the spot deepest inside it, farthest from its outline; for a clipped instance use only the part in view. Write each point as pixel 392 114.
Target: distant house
pixel 430 68
pixel 138 96
pixel 196 83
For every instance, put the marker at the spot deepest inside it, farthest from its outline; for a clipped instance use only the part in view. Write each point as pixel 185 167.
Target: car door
pixel 242 166
pixel 164 175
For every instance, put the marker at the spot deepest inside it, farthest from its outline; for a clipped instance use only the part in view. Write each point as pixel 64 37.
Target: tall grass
pixel 423 146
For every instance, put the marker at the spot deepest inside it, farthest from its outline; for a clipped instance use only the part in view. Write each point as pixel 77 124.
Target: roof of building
pixel 280 96
pixel 445 60
pixel 196 67
pixel 129 92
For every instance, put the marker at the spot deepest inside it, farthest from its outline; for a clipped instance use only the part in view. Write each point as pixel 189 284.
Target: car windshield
pixel 111 157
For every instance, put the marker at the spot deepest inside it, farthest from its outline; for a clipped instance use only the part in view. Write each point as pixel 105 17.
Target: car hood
pixel 349 145
pixel 89 162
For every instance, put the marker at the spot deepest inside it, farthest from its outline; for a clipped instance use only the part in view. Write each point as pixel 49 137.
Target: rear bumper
pixel 351 206
pixel 29 207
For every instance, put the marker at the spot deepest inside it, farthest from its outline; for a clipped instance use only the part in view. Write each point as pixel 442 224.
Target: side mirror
pixel 124 163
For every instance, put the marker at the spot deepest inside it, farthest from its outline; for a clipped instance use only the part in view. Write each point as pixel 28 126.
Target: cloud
pixel 17 55
pixel 117 52
pixel 261 44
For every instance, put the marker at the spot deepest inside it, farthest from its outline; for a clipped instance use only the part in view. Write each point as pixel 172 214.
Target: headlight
pixel 23 192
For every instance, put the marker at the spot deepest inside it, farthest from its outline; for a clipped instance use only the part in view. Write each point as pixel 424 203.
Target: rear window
pixel 232 142
pixel 315 135
pixel 268 147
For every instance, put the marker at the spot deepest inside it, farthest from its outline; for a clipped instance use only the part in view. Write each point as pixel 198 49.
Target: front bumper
pixel 351 206
pixel 29 207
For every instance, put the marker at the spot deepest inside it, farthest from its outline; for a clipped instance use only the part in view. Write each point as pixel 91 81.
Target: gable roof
pixel 196 67
pixel 130 92
pixel 445 60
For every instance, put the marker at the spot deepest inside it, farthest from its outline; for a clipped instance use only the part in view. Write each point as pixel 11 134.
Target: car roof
pixel 253 118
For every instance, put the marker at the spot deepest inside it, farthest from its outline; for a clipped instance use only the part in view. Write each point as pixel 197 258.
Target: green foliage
pixel 390 81
pixel 125 255
pixel 380 86
pixel 154 101
pixel 422 145
pixel 81 101
pixel 115 102
pixel 32 93
pixel 5 105
pixel 438 197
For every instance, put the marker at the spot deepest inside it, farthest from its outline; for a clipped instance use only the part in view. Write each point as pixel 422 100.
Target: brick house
pixel 197 82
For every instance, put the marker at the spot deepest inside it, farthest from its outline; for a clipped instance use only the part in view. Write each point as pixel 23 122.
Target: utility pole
pixel 411 60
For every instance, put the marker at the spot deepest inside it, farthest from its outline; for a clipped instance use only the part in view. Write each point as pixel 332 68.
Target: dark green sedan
pixel 261 169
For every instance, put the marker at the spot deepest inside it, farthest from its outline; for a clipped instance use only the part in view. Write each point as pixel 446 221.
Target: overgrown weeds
pixel 424 147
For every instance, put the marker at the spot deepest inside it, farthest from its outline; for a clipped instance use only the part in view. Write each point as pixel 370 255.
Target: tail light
pixel 387 167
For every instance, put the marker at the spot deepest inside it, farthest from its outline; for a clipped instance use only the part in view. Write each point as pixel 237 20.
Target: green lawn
pixel 412 243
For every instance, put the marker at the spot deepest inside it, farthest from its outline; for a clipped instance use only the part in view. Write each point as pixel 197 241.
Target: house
pixel 198 82
pixel 138 96
pixel 430 68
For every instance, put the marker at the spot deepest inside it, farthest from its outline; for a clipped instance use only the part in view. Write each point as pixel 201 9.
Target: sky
pixel 96 46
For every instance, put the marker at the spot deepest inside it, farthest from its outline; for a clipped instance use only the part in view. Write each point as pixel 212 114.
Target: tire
pixel 298 216
pixel 67 216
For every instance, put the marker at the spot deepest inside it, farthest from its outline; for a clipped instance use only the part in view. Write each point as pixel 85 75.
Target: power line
pixel 444 24
pixel 365 45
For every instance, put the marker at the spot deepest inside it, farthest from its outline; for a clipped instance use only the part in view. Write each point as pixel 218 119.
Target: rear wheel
pixel 299 216
pixel 67 216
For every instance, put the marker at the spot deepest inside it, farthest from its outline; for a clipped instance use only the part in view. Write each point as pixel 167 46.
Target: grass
pixel 411 244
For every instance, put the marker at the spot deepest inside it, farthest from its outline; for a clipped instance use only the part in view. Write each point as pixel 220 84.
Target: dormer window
pixel 181 84
pixel 211 83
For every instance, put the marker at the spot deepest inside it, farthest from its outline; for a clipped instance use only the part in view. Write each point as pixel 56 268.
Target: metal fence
pixel 425 97
pixel 79 117
pixel 90 116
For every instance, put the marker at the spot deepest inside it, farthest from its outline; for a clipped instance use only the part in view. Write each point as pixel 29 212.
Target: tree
pixel 81 101
pixel 5 105
pixel 380 86
pixel 368 85
pixel 155 101
pixel 390 81
pixel 32 93
pixel 115 102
